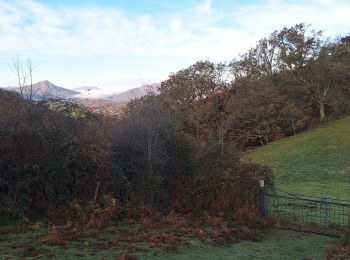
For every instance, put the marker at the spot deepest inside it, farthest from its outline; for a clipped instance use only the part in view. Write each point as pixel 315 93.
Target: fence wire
pixel 325 215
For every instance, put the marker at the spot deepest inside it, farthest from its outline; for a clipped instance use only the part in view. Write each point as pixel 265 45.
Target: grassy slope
pixel 315 163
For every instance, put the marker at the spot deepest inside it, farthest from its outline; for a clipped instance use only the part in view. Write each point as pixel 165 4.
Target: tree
pixel 192 84
pixel 139 150
pixel 318 68
pixel 321 78
pixel 262 113
pixel 24 75
pixel 260 61
pixel 206 120
pixel 305 57
pixel 298 46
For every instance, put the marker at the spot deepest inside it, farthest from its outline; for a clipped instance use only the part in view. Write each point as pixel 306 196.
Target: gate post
pixel 326 211
pixel 263 199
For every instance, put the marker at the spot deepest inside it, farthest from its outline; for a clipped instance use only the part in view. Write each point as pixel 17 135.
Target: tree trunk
pixel 149 141
pixel 322 111
pixel 222 134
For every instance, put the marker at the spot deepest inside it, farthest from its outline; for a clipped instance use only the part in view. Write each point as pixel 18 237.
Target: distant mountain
pixel 134 93
pixel 45 89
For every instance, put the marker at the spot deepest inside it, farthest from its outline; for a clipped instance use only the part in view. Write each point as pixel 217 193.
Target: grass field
pixel 314 163
pixel 275 245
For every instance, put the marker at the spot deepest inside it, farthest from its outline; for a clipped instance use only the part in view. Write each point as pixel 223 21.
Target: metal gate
pixel 307 213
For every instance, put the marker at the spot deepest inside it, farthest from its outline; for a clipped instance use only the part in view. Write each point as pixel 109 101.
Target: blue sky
pixel 122 44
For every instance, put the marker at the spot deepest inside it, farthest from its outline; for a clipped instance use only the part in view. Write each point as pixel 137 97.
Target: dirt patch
pixel 337 253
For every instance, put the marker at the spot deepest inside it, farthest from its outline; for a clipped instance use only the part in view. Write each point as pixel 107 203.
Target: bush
pixel 47 157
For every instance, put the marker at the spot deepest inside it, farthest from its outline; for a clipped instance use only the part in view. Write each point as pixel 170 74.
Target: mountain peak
pixel 46 82
pixel 46 89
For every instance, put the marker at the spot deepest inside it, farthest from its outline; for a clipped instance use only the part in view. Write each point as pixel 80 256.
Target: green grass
pixel 314 163
pixel 275 245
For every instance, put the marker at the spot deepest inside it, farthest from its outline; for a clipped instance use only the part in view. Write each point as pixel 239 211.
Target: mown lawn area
pixel 314 163
pixel 277 244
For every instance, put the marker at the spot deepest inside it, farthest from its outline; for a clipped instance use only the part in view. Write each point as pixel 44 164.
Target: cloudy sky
pixel 120 44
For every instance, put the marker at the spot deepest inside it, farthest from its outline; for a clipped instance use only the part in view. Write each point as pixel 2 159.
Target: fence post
pixel 326 211
pixel 263 199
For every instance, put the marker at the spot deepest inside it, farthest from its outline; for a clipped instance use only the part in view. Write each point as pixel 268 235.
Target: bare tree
pixel 24 73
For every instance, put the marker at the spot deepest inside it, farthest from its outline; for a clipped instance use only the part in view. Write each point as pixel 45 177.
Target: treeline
pixel 179 150
pixel 289 81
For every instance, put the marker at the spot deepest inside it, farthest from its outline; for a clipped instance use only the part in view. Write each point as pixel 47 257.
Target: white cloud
pixel 261 19
pixel 176 23
pixel 35 29
pixel 38 30
pixel 204 7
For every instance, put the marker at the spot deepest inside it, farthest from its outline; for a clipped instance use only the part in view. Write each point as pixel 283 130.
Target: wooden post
pixel 263 199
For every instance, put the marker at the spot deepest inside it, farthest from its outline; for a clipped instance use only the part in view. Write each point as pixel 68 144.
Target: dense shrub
pixel 47 158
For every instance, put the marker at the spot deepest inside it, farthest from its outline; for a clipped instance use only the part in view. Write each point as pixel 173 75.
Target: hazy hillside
pixel 86 88
pixel 313 163
pixel 102 106
pixel 93 93
pixel 134 93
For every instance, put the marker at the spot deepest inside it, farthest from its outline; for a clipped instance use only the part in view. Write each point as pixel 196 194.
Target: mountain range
pixel 46 89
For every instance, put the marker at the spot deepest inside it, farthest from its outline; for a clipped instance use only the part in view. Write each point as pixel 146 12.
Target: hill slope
pixel 315 163
pixel 134 93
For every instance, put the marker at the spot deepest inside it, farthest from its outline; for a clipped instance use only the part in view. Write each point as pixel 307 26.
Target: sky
pixel 121 44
